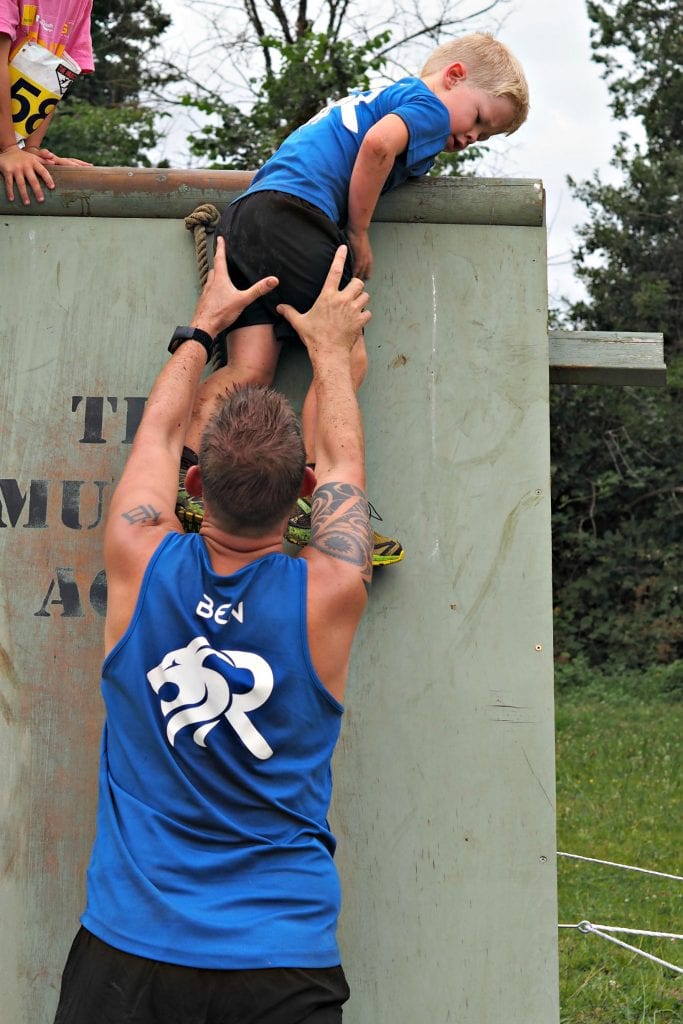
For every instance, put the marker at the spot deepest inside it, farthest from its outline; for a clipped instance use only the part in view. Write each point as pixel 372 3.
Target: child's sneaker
pixel 190 511
pixel 299 525
pixel 386 550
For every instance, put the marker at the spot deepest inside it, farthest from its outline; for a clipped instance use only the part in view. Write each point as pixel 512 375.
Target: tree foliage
pixel 105 120
pixel 289 58
pixel 312 70
pixel 617 493
pixel 631 253
pixel 617 478
pixel 118 136
pixel 636 230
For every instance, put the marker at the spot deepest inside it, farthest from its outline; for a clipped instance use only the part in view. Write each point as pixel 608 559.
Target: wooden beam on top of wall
pixel 606 357
pixel 172 193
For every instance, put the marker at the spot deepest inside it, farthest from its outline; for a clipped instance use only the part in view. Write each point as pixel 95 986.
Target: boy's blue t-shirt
pixel 315 162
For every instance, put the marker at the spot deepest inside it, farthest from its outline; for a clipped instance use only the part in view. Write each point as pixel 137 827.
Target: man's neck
pixel 229 552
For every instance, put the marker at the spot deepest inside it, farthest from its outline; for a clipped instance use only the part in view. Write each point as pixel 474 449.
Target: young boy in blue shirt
pixel 319 190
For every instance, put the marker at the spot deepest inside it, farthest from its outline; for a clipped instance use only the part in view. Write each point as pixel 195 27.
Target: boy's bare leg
pixel 359 367
pixel 252 358
pixel 253 354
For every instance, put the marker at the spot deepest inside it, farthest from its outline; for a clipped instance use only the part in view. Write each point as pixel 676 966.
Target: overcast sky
pixel 570 128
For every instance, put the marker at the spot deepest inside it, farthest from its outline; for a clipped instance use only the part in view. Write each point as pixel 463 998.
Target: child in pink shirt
pixel 48 34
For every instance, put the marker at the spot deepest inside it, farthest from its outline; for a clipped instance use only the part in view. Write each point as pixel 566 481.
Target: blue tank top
pixel 315 162
pixel 213 848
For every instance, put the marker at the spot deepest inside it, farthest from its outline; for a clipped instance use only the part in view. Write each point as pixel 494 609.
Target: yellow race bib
pixel 38 80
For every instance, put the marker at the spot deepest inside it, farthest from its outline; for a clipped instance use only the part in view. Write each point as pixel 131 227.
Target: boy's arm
pixel 18 168
pixel 378 151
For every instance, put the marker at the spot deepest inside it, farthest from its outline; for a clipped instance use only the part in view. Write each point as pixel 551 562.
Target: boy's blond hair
pixel 490 66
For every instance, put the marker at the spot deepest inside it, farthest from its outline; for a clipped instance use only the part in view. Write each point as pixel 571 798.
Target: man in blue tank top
pixel 212 895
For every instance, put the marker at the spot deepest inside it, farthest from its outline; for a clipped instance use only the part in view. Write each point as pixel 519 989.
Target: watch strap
pixel 183 334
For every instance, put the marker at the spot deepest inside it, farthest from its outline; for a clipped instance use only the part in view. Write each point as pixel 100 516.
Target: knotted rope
pixel 202 220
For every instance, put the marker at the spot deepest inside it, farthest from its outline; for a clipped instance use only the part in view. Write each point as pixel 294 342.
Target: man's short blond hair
pixel 490 66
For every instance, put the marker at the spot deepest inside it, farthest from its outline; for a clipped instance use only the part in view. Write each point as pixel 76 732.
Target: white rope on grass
pixel 629 931
pixel 626 867
pixel 586 927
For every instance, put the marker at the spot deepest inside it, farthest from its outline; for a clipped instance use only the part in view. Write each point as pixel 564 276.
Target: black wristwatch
pixel 182 334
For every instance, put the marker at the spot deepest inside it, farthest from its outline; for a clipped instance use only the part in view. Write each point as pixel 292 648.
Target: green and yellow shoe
pixel 190 511
pixel 386 550
pixel 299 526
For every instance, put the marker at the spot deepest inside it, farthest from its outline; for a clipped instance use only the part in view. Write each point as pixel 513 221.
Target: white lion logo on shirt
pixel 204 696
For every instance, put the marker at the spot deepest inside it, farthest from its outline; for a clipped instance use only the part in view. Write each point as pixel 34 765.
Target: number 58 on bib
pixel 38 80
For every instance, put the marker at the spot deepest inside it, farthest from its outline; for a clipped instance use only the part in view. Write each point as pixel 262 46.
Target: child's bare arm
pixel 7 138
pixel 16 166
pixel 376 156
pixel 35 140
pixel 34 145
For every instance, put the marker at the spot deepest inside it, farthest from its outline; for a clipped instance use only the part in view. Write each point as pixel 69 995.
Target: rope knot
pixel 206 216
pixel 202 219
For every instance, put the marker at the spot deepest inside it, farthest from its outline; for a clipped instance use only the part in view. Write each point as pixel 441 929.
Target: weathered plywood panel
pixel 80 349
pixel 444 777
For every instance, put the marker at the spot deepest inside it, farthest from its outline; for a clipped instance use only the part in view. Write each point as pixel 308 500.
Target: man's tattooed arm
pixel 340 526
pixel 141 514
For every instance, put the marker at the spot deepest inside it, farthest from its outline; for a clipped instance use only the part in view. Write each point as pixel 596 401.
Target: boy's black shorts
pixel 275 233
pixel 102 985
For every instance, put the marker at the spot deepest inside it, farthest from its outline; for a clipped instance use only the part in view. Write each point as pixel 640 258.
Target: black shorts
pixel 102 985
pixel 275 233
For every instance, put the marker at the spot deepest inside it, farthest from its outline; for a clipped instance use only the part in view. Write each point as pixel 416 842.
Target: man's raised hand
pixel 336 318
pixel 221 302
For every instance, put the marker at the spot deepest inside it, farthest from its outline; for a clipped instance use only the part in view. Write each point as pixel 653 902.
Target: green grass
pixel 619 770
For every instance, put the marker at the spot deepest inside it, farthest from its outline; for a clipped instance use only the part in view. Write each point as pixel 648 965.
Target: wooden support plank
pixel 153 192
pixel 606 357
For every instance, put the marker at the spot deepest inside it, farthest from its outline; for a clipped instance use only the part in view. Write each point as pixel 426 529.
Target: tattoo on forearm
pixel 340 525
pixel 141 514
